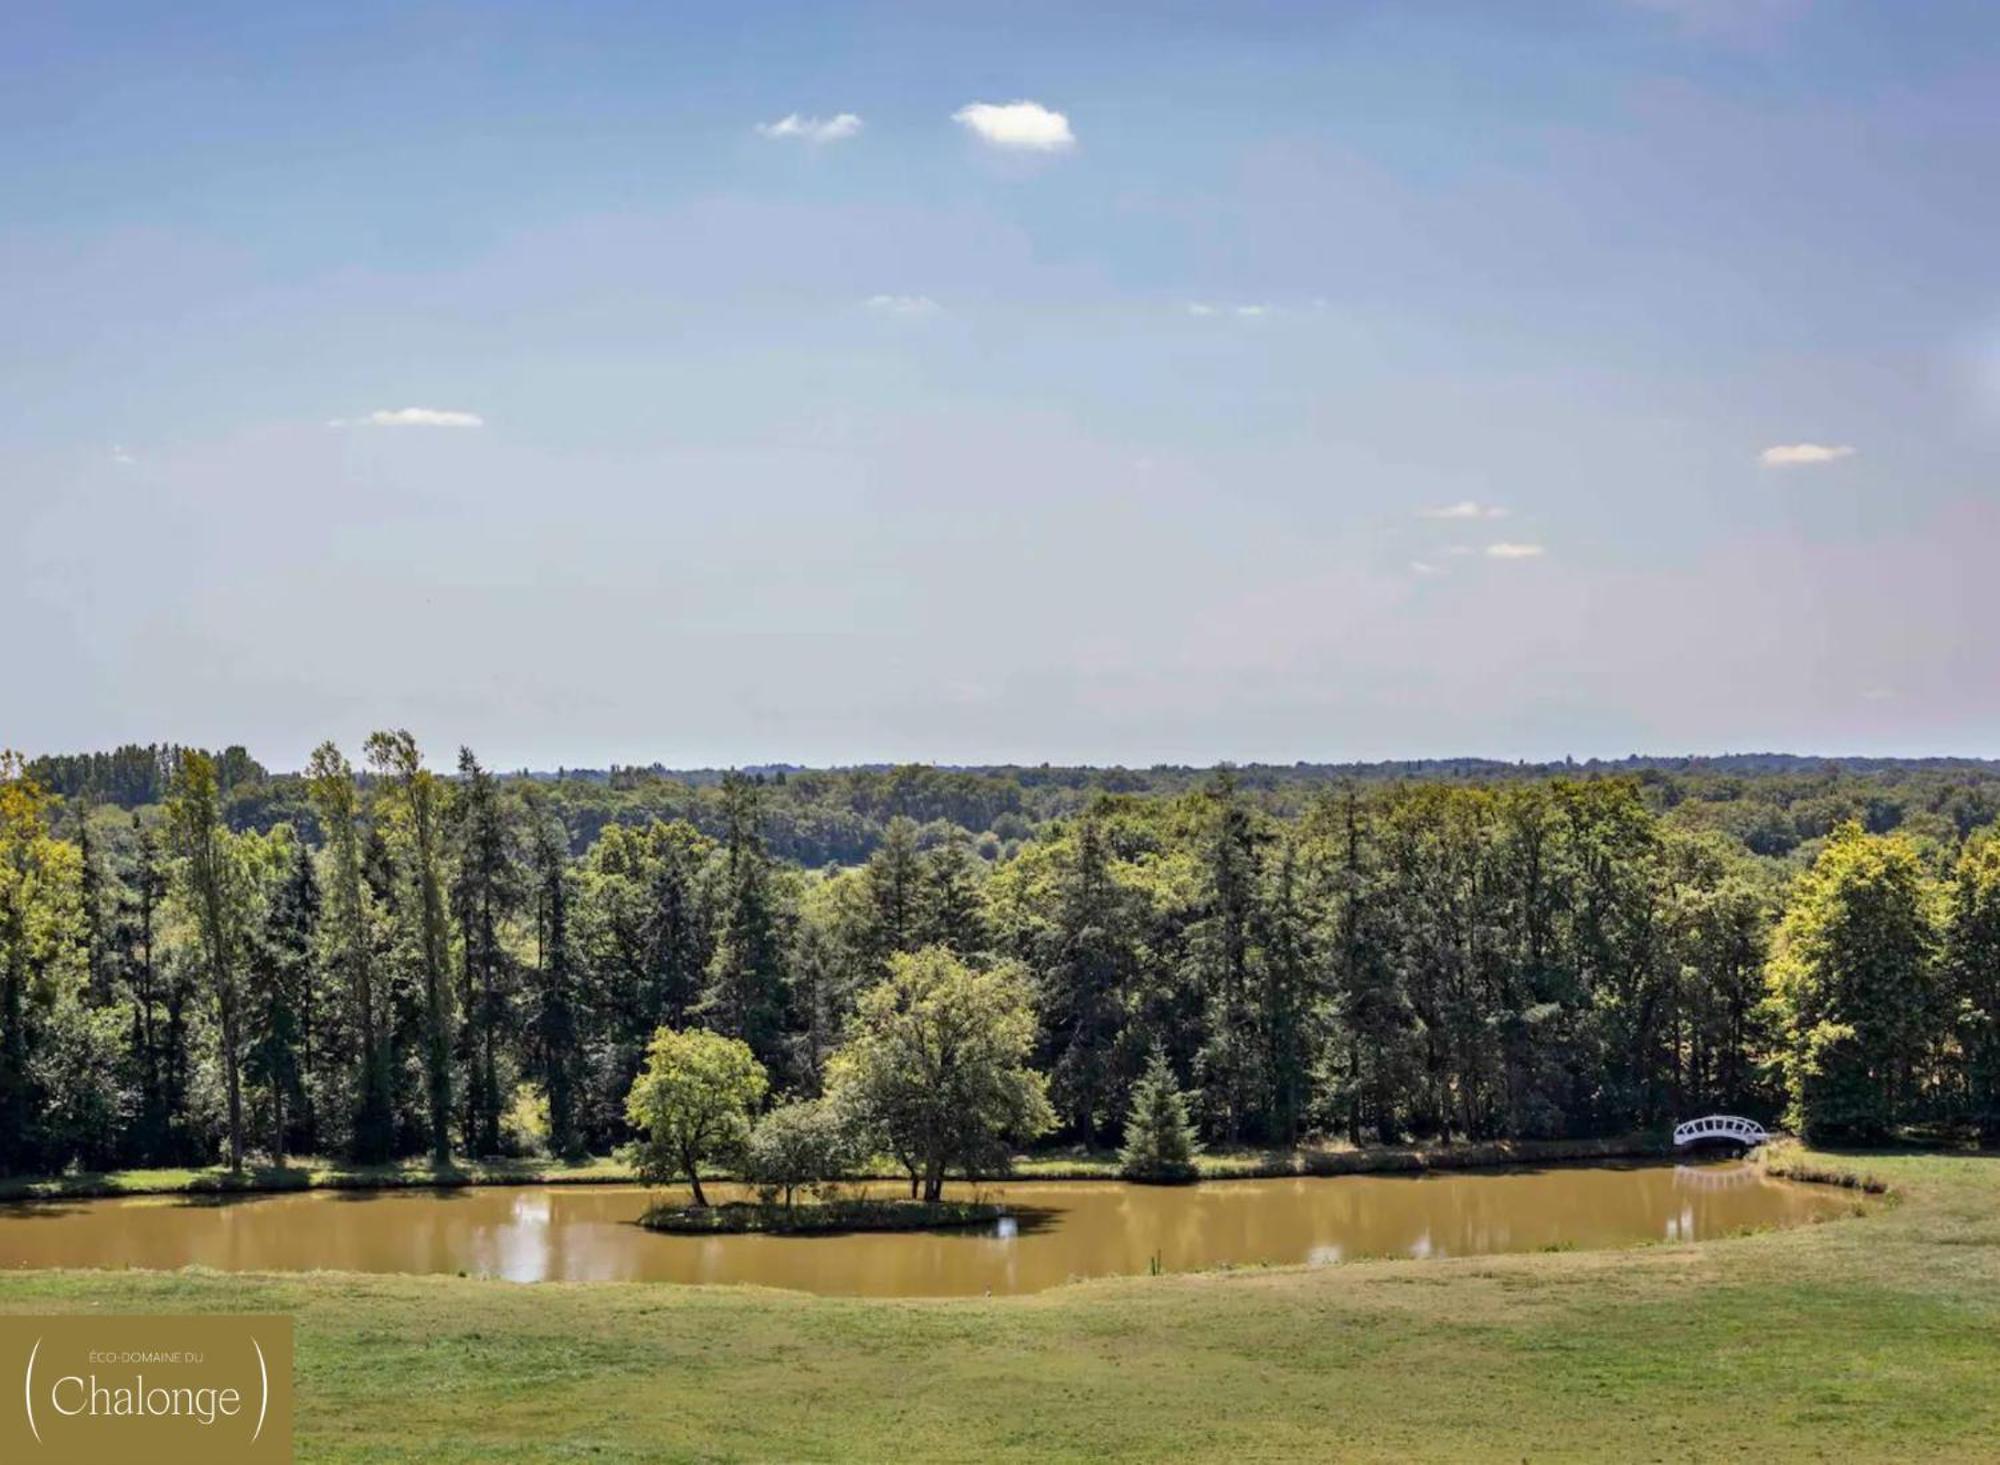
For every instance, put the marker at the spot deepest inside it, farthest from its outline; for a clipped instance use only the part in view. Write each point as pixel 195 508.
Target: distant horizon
pixel 443 757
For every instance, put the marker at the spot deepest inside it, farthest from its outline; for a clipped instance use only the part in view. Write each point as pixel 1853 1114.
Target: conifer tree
pixel 1160 1144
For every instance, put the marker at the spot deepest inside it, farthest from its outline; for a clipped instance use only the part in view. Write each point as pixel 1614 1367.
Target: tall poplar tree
pixel 218 891
pixel 350 944
pixel 418 812
pixel 484 894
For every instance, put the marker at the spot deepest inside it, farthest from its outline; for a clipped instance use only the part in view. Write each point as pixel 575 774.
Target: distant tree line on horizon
pixel 199 959
pixel 1774 805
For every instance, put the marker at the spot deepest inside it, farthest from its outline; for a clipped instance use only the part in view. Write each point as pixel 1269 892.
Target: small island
pixel 846 1215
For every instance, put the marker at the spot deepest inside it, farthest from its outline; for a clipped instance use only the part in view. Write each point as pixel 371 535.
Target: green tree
pixel 554 1025
pixel 892 897
pixel 935 1065
pixel 417 817
pixel 1287 997
pixel 746 994
pixel 43 974
pixel 281 998
pixel 484 894
pixel 951 909
pixel 219 890
pixel 691 1104
pixel 797 1146
pixel 350 947
pixel 1972 964
pixel 1222 944
pixel 1085 960
pixel 1160 1144
pixel 1851 982
pixel 155 999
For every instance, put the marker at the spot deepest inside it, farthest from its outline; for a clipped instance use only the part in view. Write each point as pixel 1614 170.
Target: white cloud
pixel 1243 312
pixel 1464 509
pixel 1023 126
pixel 815 130
pixel 412 417
pixel 122 458
pixel 903 304
pixel 1419 567
pixel 1798 455
pixel 1513 551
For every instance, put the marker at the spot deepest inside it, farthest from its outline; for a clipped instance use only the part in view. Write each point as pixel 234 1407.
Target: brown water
pixel 1062 1229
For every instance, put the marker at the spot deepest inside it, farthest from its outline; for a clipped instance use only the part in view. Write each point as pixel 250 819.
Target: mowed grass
pixel 1876 1337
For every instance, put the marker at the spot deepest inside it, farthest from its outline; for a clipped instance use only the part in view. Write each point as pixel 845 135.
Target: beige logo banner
pixel 210 1388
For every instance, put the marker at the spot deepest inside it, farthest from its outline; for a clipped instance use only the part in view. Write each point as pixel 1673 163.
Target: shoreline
pixel 603 1170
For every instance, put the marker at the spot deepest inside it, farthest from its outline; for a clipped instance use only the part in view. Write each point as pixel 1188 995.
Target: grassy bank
pixel 311 1174
pixel 1874 1338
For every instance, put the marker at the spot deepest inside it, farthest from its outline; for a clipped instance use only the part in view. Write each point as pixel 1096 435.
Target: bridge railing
pixel 1721 1126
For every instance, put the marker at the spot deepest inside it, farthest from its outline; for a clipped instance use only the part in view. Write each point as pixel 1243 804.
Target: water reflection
pixel 1058 1231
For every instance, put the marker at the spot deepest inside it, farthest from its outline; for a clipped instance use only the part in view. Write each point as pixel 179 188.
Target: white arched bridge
pixel 1731 1127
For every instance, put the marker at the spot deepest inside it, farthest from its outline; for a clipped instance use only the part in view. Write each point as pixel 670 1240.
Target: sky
pixel 1122 383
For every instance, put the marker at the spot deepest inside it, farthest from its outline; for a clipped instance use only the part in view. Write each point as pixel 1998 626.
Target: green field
pixel 1876 1337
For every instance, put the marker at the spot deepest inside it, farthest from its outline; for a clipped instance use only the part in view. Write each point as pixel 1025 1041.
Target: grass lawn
pixel 1868 1338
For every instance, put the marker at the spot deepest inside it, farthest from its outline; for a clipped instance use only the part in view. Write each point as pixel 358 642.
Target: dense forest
pixel 200 959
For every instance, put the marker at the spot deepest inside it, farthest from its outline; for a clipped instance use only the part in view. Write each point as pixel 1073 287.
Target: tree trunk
pixel 233 1073
pixel 694 1179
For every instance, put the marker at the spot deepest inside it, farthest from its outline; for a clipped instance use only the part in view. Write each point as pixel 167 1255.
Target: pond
pixel 1061 1230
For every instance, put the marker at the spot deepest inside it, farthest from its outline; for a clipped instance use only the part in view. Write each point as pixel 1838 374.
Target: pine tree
pixel 555 1015
pixel 1160 1144
pixel 1223 946
pixel 1086 966
pixel 950 911
pixel 747 988
pixel 484 894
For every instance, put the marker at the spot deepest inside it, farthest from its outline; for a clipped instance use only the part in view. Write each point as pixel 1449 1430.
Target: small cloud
pixel 903 304
pixel 1242 312
pixel 813 130
pixel 1419 567
pixel 1027 127
pixel 1464 509
pixel 411 417
pixel 122 458
pixel 1513 551
pixel 1799 455
pixel 1879 694
pixel 1457 551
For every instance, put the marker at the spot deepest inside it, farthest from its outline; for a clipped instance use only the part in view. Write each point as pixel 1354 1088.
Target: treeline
pixel 416 963
pixel 1772 805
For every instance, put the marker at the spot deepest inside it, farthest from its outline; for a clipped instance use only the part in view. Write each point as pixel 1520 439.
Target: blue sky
pixel 1287 381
